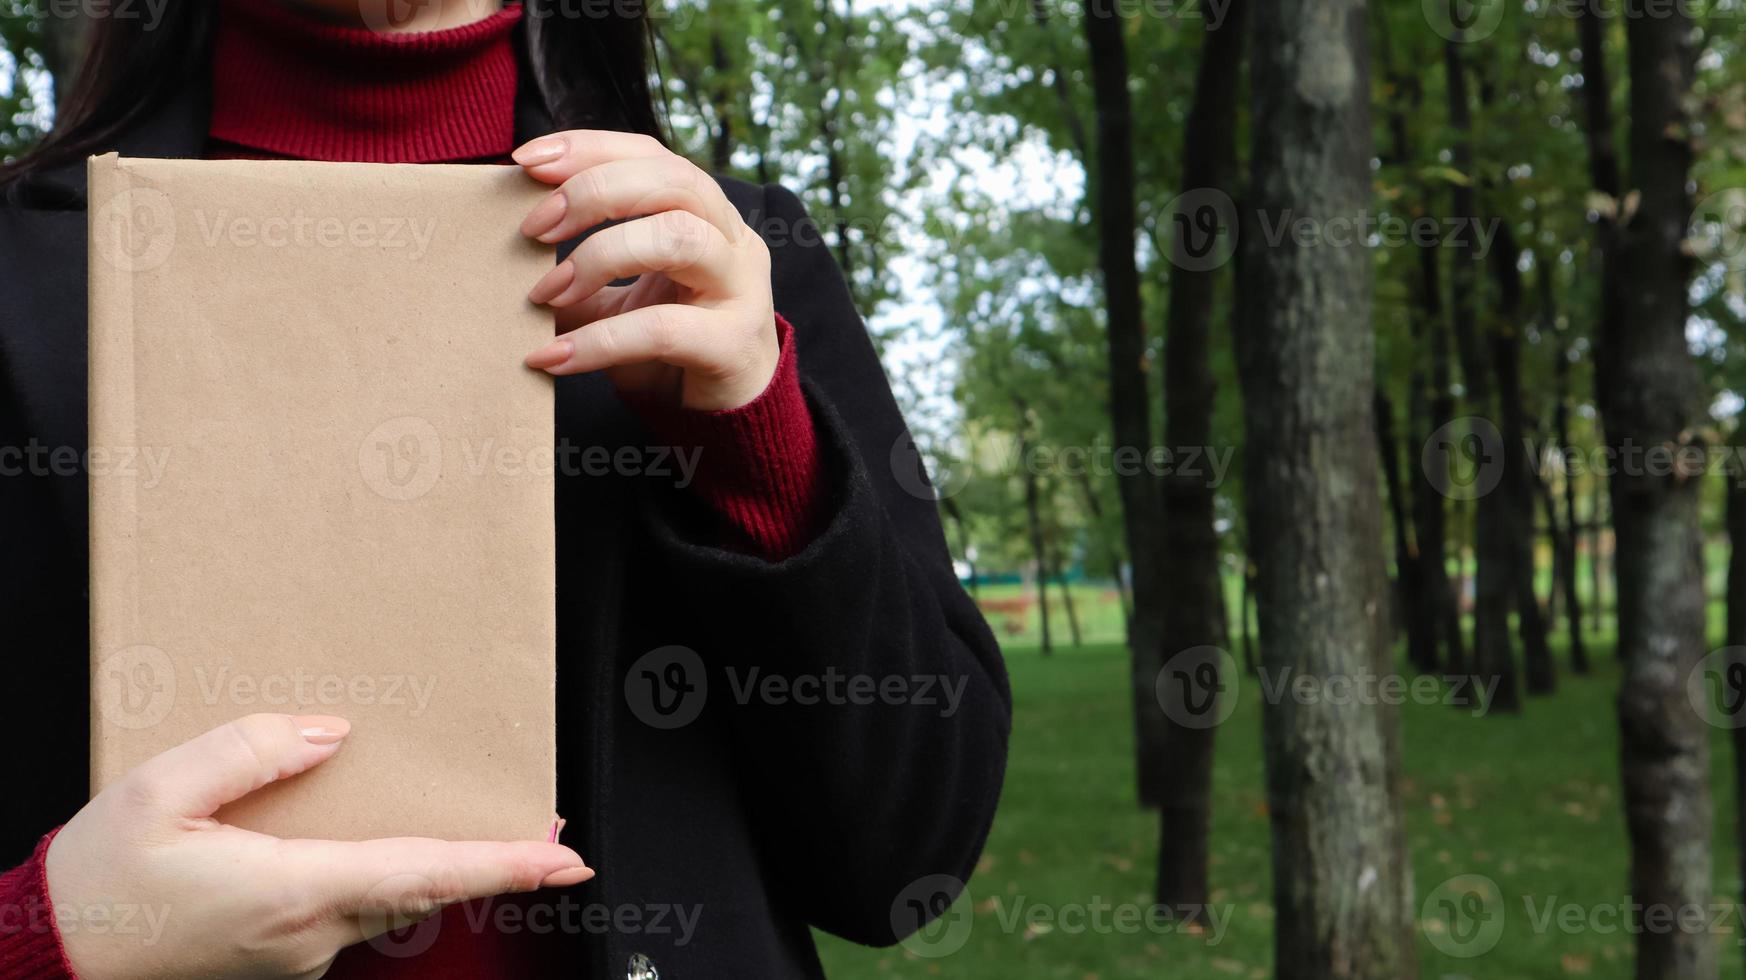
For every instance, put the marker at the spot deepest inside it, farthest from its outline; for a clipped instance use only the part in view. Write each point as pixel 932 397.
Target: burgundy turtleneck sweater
pixel 290 87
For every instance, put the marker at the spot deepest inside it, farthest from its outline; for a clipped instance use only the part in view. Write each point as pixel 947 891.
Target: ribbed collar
pixel 285 84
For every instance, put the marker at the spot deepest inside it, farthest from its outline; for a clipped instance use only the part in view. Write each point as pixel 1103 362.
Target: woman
pixel 796 550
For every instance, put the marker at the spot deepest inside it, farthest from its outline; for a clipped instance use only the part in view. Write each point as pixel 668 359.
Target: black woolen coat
pixel 765 818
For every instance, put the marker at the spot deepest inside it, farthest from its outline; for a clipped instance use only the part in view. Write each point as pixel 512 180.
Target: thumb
pixel 233 760
pixel 386 883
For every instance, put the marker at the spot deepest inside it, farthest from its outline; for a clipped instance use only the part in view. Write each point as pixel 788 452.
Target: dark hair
pixel 592 69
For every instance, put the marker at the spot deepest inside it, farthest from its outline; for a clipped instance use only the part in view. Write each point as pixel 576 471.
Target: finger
pixel 233 760
pixel 415 876
pixel 607 302
pixel 629 189
pixel 689 250
pixel 670 333
pixel 556 158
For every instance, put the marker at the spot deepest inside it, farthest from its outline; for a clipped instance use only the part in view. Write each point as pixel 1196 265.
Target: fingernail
pixel 545 217
pixel 551 355
pixel 321 729
pixel 567 877
pixel 552 283
pixel 543 150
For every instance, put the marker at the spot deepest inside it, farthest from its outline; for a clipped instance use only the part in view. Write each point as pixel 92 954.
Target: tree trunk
pixel 1059 574
pixel 1736 665
pixel 1094 508
pixel 1342 886
pixel 1603 170
pixel 1112 180
pixel 1596 579
pixel 1430 519
pixel 1517 486
pixel 1034 522
pixel 1555 542
pixel 721 144
pixel 1193 600
pixel 1244 604
pixel 1421 645
pixel 1428 607
pixel 956 515
pixel 1653 399
pixel 1493 665
pixel 1565 542
pixel 1572 600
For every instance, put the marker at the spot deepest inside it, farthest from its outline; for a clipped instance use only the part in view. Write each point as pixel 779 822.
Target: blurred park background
pixel 1335 409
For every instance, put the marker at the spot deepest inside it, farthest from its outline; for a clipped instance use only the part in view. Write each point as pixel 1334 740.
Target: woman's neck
pixel 399 16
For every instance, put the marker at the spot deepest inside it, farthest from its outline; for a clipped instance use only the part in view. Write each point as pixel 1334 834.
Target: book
pixel 321 483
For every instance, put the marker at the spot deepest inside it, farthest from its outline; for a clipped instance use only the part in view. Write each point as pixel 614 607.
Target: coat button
pixel 641 968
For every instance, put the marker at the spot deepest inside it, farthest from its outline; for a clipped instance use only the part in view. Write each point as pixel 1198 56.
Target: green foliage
pixel 22 77
pixel 799 92
pixel 944 151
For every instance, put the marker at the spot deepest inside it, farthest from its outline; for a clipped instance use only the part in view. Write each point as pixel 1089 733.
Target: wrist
pixel 759 464
pixel 740 388
pixel 55 893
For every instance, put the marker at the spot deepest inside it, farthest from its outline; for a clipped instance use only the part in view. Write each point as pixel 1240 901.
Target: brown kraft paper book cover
pixel 326 484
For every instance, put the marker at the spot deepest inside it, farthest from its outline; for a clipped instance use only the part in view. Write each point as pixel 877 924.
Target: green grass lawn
pixel 1530 802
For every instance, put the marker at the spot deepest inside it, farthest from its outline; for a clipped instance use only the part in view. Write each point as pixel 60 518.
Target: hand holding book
pixel 699 324
pixel 223 901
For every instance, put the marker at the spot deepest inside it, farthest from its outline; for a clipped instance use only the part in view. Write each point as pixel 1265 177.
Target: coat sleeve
pixel 875 769
pixel 30 942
